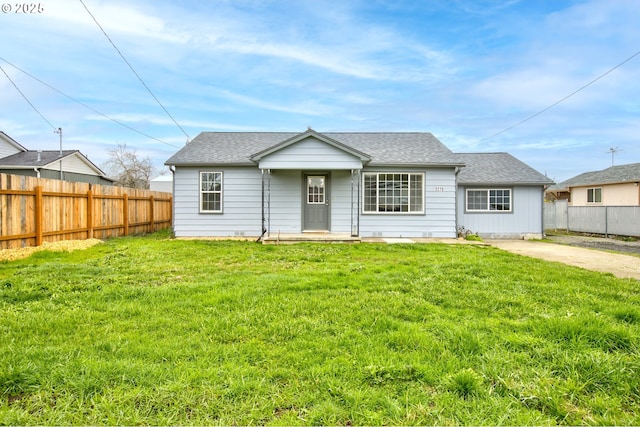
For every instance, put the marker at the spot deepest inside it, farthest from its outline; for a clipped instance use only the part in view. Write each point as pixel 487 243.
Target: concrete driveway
pixel 622 266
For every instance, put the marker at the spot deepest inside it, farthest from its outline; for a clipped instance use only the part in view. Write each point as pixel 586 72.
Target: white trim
pixel 594 202
pixel 408 212
pixel 488 192
pixel 201 192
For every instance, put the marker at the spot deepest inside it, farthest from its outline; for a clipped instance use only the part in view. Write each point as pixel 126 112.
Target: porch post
pixel 355 202
pixel 269 202
pixel 263 225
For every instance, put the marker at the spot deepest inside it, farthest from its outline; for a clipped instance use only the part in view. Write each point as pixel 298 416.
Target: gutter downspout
pixel 542 212
pixel 37 170
pixel 172 168
pixel 457 171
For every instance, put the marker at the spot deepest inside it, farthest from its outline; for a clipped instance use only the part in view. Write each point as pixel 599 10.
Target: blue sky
pixel 462 70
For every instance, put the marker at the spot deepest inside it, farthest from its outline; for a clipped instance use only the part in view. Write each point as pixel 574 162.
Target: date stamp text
pixel 24 8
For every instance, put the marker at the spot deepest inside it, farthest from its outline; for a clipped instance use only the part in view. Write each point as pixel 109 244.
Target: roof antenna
pixel 613 151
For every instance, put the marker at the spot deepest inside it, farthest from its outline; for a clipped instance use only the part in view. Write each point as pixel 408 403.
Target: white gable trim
pixel 310 154
pixel 364 158
pixel 75 162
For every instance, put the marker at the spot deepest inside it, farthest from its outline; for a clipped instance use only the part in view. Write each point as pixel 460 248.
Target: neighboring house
pixel 162 183
pixel 68 165
pixel 9 146
pixel 356 184
pixel 614 186
pixel 500 197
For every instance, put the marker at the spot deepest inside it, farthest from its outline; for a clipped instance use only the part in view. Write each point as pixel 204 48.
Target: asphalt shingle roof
pixel 30 158
pixel 392 148
pixel 497 169
pixel 611 175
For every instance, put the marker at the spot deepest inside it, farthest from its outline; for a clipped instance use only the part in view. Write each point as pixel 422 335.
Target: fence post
pixel 89 214
pixel 151 209
pixel 39 224
pixel 125 215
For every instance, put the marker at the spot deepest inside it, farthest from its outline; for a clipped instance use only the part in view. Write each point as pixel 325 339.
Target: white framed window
pixel 489 200
pixel 393 192
pixel 594 195
pixel 211 192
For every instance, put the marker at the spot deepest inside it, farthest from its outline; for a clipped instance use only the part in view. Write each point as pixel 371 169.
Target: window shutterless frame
pixel 489 200
pixel 393 193
pixel 594 195
pixel 210 191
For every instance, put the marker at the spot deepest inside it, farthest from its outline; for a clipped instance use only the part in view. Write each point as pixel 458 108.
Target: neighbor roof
pixel 384 148
pixel 612 175
pixel 498 169
pixel 29 159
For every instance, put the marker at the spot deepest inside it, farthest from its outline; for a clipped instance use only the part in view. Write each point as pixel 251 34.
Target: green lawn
pixel 150 330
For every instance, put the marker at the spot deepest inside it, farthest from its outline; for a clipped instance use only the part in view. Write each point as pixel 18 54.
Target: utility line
pixel 27 99
pixel 85 105
pixel 132 69
pixel 560 101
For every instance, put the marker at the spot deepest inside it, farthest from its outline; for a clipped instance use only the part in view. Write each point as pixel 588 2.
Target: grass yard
pixel 150 330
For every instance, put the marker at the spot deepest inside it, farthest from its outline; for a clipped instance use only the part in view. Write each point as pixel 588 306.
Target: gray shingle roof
pixel 497 169
pixel 392 148
pixel 611 175
pixel 30 158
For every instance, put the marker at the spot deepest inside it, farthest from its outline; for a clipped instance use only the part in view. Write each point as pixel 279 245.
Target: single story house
pixel 391 184
pixel 614 186
pixel 67 165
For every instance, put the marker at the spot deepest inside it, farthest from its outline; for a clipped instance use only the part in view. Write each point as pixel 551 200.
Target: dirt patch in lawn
pixel 62 246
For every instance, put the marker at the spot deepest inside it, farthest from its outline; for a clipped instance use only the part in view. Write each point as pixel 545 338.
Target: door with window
pixel 316 203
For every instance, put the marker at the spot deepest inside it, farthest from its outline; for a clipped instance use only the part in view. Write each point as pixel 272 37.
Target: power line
pixel 562 100
pixel 132 69
pixel 27 99
pixel 85 105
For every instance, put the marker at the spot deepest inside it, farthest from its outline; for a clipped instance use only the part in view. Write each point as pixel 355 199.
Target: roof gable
pixel 310 133
pixel 46 158
pixel 9 146
pixel 498 169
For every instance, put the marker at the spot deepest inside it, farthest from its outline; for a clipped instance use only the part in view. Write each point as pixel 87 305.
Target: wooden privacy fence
pixel 37 210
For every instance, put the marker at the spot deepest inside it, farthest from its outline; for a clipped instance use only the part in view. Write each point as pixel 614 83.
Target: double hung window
pixel 211 192
pixel 390 192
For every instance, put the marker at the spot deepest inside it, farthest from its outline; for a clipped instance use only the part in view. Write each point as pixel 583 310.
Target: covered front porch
pixel 310 205
pixel 310 189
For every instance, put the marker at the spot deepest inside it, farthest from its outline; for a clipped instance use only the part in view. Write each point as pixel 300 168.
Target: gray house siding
pixel 241 203
pixel 285 207
pixel 310 154
pixel 340 202
pixel 525 217
pixel 438 219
